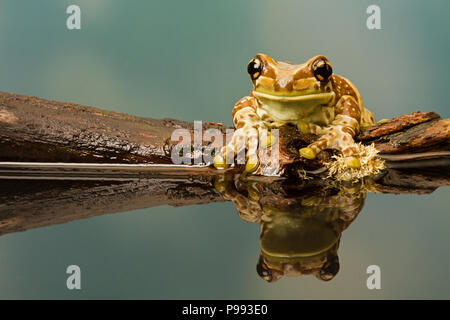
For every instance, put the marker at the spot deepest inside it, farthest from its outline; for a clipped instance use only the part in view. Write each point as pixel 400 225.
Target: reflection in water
pixel 301 220
pixel 301 223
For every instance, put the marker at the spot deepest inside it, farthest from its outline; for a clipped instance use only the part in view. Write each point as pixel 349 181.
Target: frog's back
pixel 342 86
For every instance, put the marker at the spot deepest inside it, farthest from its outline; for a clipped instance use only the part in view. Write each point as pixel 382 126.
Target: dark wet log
pixel 35 129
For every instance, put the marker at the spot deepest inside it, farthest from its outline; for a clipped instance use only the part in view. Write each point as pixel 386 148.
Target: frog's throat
pixel 323 97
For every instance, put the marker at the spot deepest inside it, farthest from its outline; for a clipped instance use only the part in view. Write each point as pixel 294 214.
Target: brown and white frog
pixel 307 95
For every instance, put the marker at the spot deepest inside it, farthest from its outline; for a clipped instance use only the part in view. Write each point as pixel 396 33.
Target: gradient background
pixel 187 60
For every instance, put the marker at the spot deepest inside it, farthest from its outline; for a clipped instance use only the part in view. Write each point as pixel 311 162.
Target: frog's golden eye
pixel 254 68
pixel 322 70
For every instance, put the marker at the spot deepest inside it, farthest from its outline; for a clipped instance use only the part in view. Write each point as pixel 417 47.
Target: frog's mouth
pixel 322 98
pixel 292 108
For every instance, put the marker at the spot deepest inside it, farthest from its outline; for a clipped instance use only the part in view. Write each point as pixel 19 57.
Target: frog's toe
pixel 221 184
pixel 383 121
pixel 302 126
pixel 219 162
pixel 307 153
pixel 353 162
pixel 310 201
pixel 253 192
pixel 268 141
pixel 252 164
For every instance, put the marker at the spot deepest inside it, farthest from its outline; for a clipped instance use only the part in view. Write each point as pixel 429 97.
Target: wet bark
pixel 418 132
pixel 35 129
pixel 40 130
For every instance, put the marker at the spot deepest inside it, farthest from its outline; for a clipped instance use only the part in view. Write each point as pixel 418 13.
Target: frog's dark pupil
pixel 254 68
pixel 263 271
pixel 322 70
pixel 329 271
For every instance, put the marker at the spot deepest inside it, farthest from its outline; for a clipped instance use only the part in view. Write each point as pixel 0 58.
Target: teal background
pixel 187 60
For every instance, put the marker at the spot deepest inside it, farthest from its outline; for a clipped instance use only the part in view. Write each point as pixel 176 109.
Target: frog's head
pixel 324 269
pixel 294 245
pixel 295 85
pixel 278 80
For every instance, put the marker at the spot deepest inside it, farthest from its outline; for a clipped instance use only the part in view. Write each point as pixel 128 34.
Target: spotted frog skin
pixel 307 95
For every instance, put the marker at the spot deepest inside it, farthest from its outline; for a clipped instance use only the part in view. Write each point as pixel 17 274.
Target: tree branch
pixel 34 129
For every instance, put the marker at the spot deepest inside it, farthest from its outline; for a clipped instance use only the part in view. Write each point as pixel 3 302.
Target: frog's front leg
pixel 247 204
pixel 249 128
pixel 339 135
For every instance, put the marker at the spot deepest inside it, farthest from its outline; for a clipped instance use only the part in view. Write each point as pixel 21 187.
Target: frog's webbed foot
pixel 335 137
pixel 339 135
pixel 243 139
pixel 356 160
pixel 250 133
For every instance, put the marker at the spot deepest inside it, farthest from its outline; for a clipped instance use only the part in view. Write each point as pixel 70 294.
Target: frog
pixel 300 223
pixel 309 96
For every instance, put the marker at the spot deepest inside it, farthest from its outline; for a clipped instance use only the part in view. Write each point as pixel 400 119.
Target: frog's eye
pixel 254 68
pixel 264 271
pixel 329 270
pixel 322 70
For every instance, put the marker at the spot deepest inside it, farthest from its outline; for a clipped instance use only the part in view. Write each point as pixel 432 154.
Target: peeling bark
pixel 397 124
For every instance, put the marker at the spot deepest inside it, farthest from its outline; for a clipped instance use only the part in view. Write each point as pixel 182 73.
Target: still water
pixel 187 60
pixel 270 240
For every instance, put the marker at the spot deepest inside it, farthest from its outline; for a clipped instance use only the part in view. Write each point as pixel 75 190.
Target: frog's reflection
pixel 301 223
